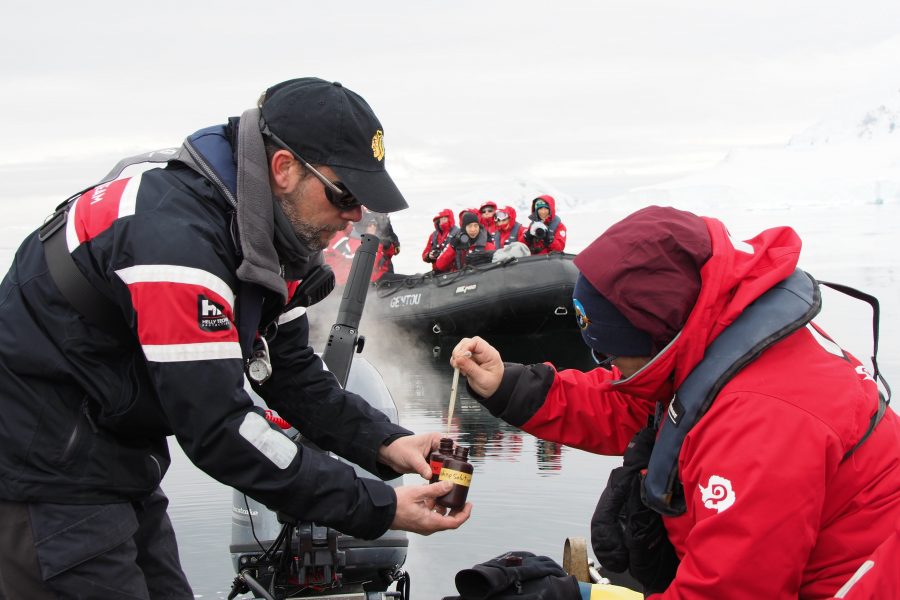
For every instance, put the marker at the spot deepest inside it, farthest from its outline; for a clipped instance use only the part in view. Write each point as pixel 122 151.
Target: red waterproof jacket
pixel 512 232
pixel 556 240
pixel 438 238
pixel 380 267
pixel 878 576
pixel 488 223
pixel 772 509
pixel 453 258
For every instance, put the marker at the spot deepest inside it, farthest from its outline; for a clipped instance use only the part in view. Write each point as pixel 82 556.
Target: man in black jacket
pixel 192 267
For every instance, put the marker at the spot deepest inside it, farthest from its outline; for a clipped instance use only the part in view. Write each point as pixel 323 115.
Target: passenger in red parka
pixel 508 229
pixel 545 233
pixel 486 213
pixel 443 226
pixel 470 240
pixel 773 508
pixel 387 248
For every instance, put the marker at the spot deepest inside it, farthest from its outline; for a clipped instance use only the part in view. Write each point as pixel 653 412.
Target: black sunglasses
pixel 336 192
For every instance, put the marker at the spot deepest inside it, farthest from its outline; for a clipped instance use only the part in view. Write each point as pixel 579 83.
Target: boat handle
pixel 561 311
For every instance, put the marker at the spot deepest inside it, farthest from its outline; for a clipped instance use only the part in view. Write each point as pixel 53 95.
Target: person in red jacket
pixel 486 213
pixel 388 247
pixel 546 232
pixel 472 239
pixel 786 483
pixel 437 241
pixel 508 229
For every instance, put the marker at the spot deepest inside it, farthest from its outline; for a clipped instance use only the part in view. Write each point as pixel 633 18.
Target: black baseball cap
pixel 327 124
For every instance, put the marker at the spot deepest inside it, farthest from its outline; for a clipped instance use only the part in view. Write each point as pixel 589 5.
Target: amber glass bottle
pixel 436 460
pixel 457 469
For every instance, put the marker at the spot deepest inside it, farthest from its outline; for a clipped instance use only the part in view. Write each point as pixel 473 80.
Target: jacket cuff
pixel 521 394
pixel 384 501
pixel 382 470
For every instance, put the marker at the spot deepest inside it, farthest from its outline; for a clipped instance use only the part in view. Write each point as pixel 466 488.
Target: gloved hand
pixel 516 575
pixel 608 522
pixel 625 533
pixel 651 556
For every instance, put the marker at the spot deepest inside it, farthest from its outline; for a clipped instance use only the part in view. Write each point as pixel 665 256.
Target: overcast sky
pixel 464 89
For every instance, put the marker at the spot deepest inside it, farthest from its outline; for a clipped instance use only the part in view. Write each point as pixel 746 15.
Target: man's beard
pixel 311 236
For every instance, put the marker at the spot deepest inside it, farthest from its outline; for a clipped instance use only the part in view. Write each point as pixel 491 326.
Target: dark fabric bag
pixel 626 535
pixel 516 575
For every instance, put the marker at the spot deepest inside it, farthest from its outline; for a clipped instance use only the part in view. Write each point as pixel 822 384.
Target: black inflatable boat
pixel 521 305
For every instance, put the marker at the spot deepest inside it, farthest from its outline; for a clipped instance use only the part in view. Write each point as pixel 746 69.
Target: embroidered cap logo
pixel 580 315
pixel 378 145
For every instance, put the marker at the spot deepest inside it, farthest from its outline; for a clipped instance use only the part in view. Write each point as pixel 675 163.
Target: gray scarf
pixel 266 238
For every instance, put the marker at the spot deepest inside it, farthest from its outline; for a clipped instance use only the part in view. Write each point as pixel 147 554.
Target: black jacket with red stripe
pixel 84 414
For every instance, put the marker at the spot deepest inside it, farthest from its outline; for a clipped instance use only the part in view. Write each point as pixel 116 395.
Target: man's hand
pixel 480 363
pixel 409 454
pixel 416 511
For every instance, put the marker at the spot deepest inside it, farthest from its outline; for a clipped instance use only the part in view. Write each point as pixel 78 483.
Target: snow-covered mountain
pixel 847 159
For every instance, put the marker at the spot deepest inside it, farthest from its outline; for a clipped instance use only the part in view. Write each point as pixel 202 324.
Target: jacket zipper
pixel 209 173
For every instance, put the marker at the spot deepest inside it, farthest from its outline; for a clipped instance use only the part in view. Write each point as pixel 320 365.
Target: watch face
pixel 258 370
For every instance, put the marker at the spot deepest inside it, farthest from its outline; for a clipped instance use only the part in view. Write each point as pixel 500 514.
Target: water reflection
pixel 549 456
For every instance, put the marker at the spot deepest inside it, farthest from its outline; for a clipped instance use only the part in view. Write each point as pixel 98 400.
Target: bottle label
pixel 457 477
pixel 436 467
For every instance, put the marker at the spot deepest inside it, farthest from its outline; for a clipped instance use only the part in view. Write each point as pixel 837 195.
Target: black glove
pixel 516 575
pixel 651 556
pixel 625 533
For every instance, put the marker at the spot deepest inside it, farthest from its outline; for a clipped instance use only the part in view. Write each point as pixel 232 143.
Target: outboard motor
pixel 278 558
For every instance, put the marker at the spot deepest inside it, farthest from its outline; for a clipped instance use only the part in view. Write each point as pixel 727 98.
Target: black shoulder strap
pixel 97 308
pixel 876 319
pixel 883 400
pixel 90 302
pixel 552 227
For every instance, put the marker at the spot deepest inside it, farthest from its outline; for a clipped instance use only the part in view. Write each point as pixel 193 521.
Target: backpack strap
pixel 876 319
pixel 883 400
pixel 81 294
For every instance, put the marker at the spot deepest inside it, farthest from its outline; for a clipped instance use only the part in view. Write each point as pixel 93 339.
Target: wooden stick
pixel 453 387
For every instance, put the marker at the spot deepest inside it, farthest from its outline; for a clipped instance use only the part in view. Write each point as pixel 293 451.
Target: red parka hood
pixel 682 279
pixel 551 202
pixel 451 221
pixel 509 210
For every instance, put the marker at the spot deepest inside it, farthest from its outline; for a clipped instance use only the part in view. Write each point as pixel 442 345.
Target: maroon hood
pixel 648 266
pixel 682 279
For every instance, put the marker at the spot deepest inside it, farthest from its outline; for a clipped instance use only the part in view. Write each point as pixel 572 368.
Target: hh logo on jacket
pixel 718 494
pixel 211 317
